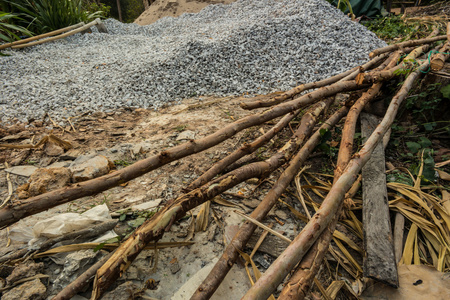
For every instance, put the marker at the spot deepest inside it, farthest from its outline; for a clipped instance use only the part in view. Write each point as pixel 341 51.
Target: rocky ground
pixel 124 137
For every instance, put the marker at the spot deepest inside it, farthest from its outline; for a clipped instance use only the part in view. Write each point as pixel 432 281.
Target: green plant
pixel 180 128
pixel 121 162
pixel 424 104
pixel 325 144
pixel 47 15
pixel 400 177
pixel 395 29
pixel 8 31
pixel 93 6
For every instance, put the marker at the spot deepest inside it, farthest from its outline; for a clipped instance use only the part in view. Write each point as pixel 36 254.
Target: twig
pixel 256 222
pixel 10 188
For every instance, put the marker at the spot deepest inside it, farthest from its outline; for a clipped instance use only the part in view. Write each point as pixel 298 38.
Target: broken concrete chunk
pixel 88 167
pixel 25 171
pixel 74 265
pixel 44 180
pixel 186 135
pixel 126 290
pixel 23 271
pixel 174 266
pixel 51 149
pixel 146 205
pixel 32 290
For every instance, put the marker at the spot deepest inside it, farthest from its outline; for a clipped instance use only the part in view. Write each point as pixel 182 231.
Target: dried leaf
pixel 408 249
pixel 256 222
pixel 201 222
pixel 443 175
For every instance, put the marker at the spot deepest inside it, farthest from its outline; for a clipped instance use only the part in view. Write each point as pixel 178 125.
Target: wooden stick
pixel 41 36
pixel 72 32
pixel 347 75
pixel 242 151
pixel 438 61
pixel 406 44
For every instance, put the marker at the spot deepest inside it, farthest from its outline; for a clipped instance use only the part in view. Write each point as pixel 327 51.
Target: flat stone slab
pixel 25 171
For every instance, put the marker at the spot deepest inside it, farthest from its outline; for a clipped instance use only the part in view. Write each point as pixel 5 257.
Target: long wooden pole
pixel 72 32
pixel 41 36
pixel 406 44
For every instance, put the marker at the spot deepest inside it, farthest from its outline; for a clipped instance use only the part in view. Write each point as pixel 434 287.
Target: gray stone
pixel 31 290
pixel 88 167
pixel 186 135
pixel 24 270
pixel 22 170
pixel 75 264
pixel 51 149
pixel 146 205
pixel 126 290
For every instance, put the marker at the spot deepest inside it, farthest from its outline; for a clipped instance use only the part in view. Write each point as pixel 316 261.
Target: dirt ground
pixel 174 8
pixel 124 137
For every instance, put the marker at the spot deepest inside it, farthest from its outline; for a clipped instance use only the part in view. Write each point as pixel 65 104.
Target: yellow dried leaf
pixel 408 249
pixel 443 175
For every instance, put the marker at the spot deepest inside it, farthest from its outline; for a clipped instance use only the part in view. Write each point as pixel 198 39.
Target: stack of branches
pixel 303 257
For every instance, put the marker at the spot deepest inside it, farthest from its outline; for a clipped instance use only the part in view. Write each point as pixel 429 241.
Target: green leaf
pixel 446 91
pixel 136 223
pixel 99 247
pixel 424 142
pixel 428 173
pixel 413 147
pixel 122 217
pixel 429 126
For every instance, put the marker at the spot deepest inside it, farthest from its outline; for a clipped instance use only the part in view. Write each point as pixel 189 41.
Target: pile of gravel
pixel 249 46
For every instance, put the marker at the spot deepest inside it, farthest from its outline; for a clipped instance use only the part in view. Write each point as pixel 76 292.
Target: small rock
pixel 88 167
pixel 51 149
pixel 44 180
pixel 75 264
pixel 186 135
pixel 252 203
pixel 38 123
pixel 126 290
pixel 98 115
pixel 137 149
pixel 22 170
pixel 281 214
pixel 174 266
pixel 24 271
pixel 146 205
pixel 32 290
pixel 59 164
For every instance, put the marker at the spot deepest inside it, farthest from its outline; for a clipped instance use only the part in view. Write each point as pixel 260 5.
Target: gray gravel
pixel 254 46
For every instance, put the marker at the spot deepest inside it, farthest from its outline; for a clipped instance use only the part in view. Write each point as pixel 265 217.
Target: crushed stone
pixel 249 46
